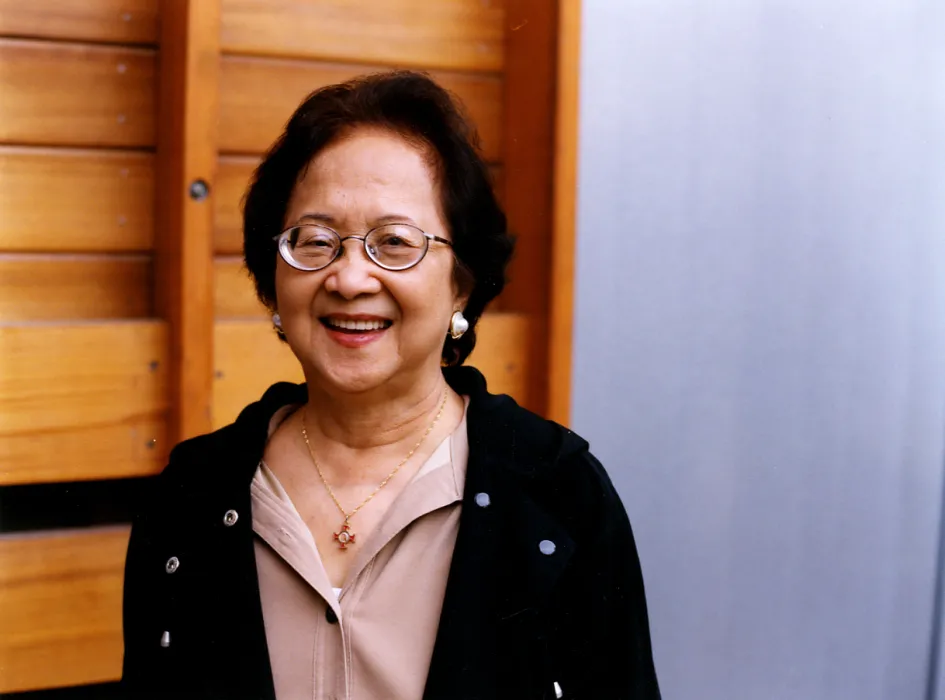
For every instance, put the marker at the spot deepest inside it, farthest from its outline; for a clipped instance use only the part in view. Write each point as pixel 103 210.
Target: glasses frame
pixel 282 243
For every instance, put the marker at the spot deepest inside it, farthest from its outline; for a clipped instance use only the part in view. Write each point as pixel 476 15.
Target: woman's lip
pixel 353 339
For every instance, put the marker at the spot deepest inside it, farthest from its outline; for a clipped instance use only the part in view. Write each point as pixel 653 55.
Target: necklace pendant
pixel 345 537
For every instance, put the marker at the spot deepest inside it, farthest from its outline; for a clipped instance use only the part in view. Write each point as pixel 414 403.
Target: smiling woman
pixel 368 177
pixel 388 529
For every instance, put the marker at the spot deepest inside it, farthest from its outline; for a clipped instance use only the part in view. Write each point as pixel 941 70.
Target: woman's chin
pixel 354 378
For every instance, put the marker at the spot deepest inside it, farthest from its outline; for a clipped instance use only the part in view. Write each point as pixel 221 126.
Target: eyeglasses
pixel 394 247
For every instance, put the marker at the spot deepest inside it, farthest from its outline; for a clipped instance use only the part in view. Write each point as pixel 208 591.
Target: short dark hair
pixel 413 106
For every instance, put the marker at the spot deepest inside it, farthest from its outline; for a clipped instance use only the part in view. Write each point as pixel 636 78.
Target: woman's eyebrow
pixel 317 217
pixel 393 219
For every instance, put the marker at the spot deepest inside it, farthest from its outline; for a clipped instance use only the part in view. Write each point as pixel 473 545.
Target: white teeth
pixel 356 325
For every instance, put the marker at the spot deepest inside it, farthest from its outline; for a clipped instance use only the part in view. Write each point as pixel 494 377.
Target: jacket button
pixel 547 547
pixel 166 639
pixel 173 564
pixel 331 616
pixel 230 517
pixel 483 500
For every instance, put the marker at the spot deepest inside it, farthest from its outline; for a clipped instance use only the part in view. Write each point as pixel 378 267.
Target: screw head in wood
pixel 199 190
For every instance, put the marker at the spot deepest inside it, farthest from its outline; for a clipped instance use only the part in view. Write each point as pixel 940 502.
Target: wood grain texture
pixel 233 175
pixel 76 95
pixel 504 349
pixel 119 21
pixel 74 287
pixel 528 143
pixel 70 200
pixel 454 34
pixel 187 153
pixel 249 358
pixel 258 95
pixel 561 316
pixel 233 291
pixel 82 401
pixel 60 608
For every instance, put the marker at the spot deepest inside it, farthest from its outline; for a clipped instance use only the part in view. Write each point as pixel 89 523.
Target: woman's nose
pixel 352 273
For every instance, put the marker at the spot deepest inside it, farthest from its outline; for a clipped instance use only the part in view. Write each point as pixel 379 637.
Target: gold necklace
pixel 345 537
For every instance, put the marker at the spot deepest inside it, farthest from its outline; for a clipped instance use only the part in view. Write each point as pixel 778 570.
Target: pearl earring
pixel 458 325
pixel 277 326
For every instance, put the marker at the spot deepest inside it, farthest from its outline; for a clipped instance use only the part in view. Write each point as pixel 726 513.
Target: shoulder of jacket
pixel 535 443
pixel 561 472
pixel 213 459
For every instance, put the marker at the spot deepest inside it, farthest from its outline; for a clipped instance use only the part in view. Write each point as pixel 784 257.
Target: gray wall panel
pixel 759 351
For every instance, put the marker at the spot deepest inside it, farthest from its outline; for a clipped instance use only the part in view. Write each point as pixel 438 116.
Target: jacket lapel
pixel 500 578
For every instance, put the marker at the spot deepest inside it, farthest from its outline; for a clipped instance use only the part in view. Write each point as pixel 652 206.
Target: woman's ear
pixel 460 300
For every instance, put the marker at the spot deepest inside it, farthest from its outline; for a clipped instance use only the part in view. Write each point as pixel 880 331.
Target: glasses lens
pixel 311 247
pixel 397 246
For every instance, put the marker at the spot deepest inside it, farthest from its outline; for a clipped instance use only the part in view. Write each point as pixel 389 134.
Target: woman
pixel 388 529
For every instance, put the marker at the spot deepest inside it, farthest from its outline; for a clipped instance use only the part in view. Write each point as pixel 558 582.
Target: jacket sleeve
pixel 603 636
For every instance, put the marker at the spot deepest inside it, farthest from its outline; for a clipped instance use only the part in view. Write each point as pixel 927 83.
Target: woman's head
pixel 383 149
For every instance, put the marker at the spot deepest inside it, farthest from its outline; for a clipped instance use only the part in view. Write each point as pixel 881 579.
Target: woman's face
pixel 369 178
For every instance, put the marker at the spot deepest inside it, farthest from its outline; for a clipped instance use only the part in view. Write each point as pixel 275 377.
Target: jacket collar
pixel 506 436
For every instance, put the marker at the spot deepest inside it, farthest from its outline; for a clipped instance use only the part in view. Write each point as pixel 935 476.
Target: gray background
pixel 760 332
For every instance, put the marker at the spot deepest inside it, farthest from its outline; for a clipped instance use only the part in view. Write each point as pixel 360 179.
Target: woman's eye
pixel 394 241
pixel 315 243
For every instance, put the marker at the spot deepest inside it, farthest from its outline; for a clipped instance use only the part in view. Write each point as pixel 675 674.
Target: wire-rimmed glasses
pixel 395 247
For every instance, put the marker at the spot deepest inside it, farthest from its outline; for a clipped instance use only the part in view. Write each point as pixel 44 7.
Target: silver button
pixel 230 517
pixel 547 547
pixel 166 639
pixel 483 500
pixel 173 564
pixel 558 692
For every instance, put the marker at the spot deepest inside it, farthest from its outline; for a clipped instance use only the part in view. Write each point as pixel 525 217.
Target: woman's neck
pixel 374 419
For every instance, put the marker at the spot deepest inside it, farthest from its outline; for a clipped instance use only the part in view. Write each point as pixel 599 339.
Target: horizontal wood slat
pixel 454 34
pixel 122 21
pixel 74 287
pixel 60 608
pixel 76 95
pixel 234 295
pixel 503 348
pixel 233 174
pixel 258 95
pixel 249 358
pixel 85 401
pixel 72 200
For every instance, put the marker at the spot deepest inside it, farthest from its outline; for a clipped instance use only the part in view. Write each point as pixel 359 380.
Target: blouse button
pixel 483 500
pixel 173 564
pixel 230 518
pixel 166 639
pixel 547 547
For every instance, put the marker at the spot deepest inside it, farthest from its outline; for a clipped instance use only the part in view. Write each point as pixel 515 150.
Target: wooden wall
pixel 83 356
pixel 127 321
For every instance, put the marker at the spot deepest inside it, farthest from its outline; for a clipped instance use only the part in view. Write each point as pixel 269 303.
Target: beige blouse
pixel 373 638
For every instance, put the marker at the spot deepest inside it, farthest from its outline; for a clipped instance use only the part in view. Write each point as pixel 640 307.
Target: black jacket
pixel 515 620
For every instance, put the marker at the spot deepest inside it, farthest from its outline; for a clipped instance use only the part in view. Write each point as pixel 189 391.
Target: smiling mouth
pixel 351 326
